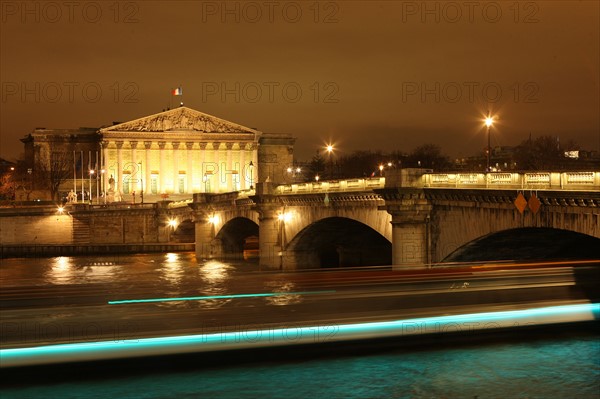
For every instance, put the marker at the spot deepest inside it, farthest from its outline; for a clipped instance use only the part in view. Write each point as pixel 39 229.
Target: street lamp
pixel 489 121
pixel 317 178
pixel 380 170
pixel 329 149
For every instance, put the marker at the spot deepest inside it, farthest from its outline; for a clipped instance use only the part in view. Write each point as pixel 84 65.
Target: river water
pixel 562 363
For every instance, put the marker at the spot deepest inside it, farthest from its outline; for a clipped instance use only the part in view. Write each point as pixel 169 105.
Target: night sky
pixel 387 75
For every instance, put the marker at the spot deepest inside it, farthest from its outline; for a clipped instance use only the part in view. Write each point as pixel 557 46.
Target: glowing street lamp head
pixel 380 168
pixel 173 223
pixel 285 217
pixel 489 121
pixel 329 148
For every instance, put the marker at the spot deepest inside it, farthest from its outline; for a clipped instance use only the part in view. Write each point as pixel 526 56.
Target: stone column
pixel 254 149
pixel 161 166
pixel 229 167
pixel 104 167
pixel 203 167
pixel 216 178
pixel 147 168
pixel 242 170
pixel 190 168
pixel 175 145
pixel 119 179
pixel 135 166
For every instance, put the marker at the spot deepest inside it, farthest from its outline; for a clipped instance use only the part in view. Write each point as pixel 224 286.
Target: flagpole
pixel 82 178
pixel 74 174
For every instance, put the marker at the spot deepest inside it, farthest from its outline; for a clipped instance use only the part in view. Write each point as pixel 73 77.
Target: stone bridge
pixel 410 217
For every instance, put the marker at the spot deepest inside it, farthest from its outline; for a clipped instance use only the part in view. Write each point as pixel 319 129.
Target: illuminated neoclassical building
pixel 179 151
pixel 173 153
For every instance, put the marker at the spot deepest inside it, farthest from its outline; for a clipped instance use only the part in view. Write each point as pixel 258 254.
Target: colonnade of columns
pixel 180 167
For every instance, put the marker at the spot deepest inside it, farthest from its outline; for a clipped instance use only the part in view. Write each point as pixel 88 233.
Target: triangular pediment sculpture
pixel 182 118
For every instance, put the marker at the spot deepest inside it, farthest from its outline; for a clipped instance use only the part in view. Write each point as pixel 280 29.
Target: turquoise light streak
pixel 232 296
pixel 294 335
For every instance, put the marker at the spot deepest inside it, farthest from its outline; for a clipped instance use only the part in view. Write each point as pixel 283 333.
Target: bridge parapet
pixel 331 186
pixel 572 181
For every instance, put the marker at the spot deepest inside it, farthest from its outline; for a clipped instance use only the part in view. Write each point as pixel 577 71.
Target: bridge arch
pixel 528 243
pixel 185 231
pixel 337 242
pixel 231 237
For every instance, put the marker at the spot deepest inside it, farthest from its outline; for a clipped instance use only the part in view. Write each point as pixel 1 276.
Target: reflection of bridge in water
pixel 410 217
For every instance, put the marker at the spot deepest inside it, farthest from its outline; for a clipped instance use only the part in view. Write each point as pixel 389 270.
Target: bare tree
pixel 54 169
pixel 428 156
pixel 7 186
pixel 543 153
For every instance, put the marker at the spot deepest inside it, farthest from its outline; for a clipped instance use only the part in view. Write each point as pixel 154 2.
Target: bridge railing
pixel 499 180
pixel 329 186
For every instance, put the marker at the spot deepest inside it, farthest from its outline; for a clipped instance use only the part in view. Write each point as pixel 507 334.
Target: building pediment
pixel 179 119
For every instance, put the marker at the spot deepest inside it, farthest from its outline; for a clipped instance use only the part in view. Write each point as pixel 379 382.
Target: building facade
pixel 179 151
pixel 170 154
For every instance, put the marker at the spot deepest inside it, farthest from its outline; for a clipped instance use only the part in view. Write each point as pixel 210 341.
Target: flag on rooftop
pixel 177 92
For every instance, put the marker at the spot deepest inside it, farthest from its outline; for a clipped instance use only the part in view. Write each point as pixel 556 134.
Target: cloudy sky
pixel 386 75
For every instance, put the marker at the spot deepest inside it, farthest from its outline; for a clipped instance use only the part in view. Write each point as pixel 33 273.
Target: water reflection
pixel 172 273
pixel 214 276
pixel 159 275
pixel 70 270
pixel 60 270
pixel 282 286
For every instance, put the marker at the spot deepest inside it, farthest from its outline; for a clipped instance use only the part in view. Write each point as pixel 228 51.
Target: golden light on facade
pixel 173 223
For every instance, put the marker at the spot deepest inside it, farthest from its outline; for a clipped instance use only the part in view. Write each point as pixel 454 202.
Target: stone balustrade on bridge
pixel 576 181
pixel 510 180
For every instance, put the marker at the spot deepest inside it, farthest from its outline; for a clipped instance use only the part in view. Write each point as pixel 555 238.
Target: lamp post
pixel 329 150
pixel 380 170
pixel 489 121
